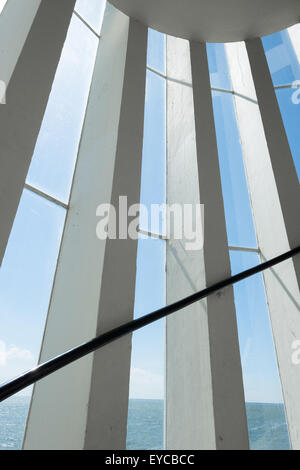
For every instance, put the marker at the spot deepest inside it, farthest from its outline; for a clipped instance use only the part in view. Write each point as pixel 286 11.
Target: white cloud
pixel 145 384
pixel 13 362
pixel 13 352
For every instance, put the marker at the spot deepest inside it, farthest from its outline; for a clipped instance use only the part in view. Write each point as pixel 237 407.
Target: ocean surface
pixel 266 422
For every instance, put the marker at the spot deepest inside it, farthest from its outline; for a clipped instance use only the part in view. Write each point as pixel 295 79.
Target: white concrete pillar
pixel 109 392
pixel 16 19
pixel 294 33
pixel 85 404
pixel 29 75
pixel 274 193
pixel 205 406
pixel 280 153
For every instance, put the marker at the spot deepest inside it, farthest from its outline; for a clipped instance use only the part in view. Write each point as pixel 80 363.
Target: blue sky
pixel 28 268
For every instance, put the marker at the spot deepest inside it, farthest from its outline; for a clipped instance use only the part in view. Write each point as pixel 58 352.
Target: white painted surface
pixel 294 33
pixel 227 382
pixel 15 22
pixel 27 94
pixel 282 162
pixel 2 4
pixel 58 415
pixel 189 411
pixel 205 406
pixel 281 282
pixel 109 392
pixel 213 20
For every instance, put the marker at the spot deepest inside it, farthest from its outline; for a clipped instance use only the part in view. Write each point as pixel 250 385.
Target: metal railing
pixel 41 371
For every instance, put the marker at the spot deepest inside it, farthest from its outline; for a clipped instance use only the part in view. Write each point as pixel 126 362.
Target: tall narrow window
pixel 29 265
pixel 285 70
pixel 146 406
pixel 219 75
pixel 264 402
pixel 282 60
pixel 55 154
pixel 92 12
pixel 26 278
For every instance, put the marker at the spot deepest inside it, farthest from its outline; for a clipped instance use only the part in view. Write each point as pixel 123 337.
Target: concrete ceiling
pixel 213 20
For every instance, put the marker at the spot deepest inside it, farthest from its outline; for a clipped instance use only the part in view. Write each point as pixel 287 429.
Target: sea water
pixel 266 422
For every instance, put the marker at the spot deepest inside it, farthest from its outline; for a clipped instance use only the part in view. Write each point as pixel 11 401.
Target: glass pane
pixel 281 57
pixel 150 277
pixel 26 278
pixel 264 401
pixel 92 12
pixel 156 51
pixel 153 188
pixel 289 103
pixel 146 406
pixel 55 154
pixel 218 67
pixel 239 220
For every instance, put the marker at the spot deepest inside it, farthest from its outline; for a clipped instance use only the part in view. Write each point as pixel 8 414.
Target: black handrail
pixel 43 370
